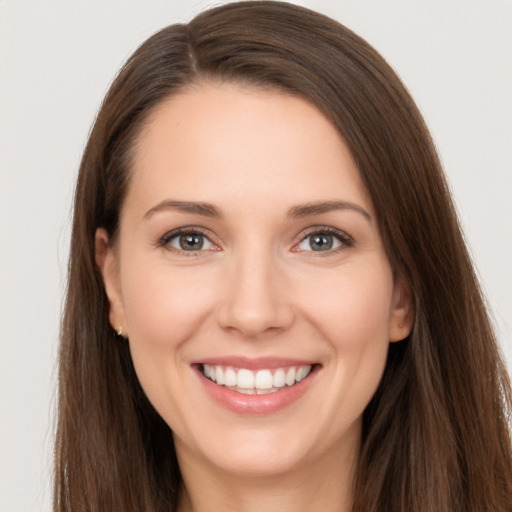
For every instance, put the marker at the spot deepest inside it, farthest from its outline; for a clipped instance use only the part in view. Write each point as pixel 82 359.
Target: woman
pixel 270 303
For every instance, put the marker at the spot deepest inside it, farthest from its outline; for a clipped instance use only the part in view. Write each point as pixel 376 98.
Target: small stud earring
pixel 120 331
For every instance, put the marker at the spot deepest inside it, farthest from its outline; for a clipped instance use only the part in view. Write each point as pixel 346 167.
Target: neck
pixel 315 486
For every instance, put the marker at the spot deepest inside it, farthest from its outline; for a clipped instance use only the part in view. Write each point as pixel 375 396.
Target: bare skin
pixel 248 238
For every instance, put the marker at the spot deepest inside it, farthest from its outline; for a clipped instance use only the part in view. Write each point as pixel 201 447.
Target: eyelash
pixel 165 240
pixel 344 240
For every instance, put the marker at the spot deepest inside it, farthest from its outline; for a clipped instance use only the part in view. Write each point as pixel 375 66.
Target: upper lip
pixel 254 363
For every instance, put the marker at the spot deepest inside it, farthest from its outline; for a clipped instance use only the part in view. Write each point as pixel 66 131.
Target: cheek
pixel 353 316
pixel 163 305
pixel 164 309
pixel 353 307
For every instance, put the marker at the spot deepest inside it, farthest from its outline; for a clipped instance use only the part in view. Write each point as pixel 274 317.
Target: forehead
pixel 222 141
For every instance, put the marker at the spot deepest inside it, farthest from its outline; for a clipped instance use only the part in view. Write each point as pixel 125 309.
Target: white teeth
pixel 209 371
pixel 302 373
pixel 279 379
pixel 247 391
pixel 219 375
pixel 263 380
pixel 290 377
pixel 230 377
pixel 259 382
pixel 245 379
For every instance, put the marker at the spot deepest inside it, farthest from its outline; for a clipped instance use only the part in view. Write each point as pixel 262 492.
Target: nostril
pixel 253 322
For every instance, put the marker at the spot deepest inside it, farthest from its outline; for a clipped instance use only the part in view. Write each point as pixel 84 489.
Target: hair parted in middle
pixel 441 408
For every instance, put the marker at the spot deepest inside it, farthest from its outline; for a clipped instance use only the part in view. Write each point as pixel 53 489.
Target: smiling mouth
pixel 260 382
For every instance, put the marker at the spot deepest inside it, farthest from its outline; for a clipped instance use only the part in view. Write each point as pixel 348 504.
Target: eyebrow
pixel 299 211
pixel 206 209
pixel 317 208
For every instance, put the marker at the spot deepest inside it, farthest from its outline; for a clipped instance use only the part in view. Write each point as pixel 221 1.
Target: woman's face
pixel 251 280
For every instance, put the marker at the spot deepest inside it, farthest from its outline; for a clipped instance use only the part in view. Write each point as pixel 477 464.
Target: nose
pixel 255 298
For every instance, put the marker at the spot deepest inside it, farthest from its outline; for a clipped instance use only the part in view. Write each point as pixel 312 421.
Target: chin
pixel 255 458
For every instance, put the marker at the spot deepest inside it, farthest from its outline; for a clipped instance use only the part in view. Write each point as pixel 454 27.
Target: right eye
pixel 187 241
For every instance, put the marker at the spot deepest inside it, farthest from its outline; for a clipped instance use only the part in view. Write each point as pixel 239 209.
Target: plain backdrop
pixel 57 59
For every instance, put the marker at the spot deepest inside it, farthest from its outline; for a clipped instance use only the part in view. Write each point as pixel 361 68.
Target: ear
pixel 108 264
pixel 402 313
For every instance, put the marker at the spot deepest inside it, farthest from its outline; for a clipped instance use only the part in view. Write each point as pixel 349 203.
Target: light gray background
pixel 57 59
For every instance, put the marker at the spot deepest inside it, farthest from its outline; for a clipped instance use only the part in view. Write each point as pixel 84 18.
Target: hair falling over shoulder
pixel 437 434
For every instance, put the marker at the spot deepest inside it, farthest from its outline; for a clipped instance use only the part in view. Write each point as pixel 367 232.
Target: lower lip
pixel 268 403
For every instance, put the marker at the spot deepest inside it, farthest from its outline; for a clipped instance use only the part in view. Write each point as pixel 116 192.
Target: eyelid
pixel 163 241
pixel 345 239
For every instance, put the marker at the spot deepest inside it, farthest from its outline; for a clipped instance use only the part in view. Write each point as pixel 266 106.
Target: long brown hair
pixel 436 435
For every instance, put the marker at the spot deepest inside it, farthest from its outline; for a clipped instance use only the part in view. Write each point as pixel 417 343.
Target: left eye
pixel 190 242
pixel 320 242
